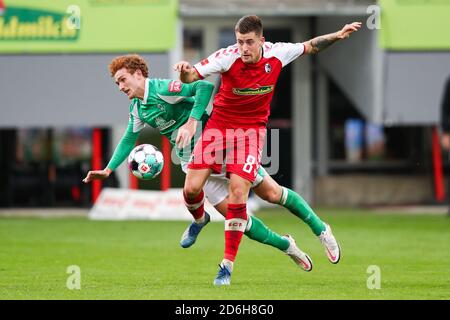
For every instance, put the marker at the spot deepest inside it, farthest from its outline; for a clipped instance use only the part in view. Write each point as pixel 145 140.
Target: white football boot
pixel 297 255
pixel 330 244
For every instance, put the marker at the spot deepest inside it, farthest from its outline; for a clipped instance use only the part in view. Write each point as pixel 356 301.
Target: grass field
pixel 143 260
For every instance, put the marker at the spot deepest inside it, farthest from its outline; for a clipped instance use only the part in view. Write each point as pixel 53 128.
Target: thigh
pixel 196 178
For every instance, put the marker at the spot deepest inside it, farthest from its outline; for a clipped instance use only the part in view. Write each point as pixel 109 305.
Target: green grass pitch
pixel 143 259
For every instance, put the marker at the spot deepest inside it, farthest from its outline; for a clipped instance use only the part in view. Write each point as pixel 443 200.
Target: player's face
pixel 249 45
pixel 129 83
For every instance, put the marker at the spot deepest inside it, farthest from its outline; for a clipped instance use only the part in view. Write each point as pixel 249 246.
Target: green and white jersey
pixel 166 106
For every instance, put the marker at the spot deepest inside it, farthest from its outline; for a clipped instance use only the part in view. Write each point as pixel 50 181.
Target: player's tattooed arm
pixel 320 43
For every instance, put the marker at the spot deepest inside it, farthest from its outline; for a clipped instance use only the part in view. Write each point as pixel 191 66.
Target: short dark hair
pixel 250 23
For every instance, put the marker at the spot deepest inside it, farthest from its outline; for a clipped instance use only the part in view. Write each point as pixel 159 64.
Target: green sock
pixel 298 206
pixel 260 232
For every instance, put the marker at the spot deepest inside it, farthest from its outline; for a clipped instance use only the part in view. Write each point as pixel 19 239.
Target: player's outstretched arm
pixel 97 175
pixel 121 152
pixel 320 43
pixel 187 72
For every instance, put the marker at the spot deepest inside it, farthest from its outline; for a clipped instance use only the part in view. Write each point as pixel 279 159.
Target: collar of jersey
pixel 146 92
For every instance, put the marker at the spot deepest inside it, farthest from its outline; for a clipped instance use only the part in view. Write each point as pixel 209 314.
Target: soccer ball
pixel 145 161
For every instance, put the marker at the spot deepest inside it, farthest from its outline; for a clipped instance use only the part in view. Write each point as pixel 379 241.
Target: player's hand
pixel 187 72
pixel 445 140
pixel 97 175
pixel 349 29
pixel 182 67
pixel 185 133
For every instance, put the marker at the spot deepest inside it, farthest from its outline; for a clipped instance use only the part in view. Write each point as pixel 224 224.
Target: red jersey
pixel 246 89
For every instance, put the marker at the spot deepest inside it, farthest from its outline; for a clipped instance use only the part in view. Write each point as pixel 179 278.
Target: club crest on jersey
pixel 175 86
pixel 268 68
pixel 161 107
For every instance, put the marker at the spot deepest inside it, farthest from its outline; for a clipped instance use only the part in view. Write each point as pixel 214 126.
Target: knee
pixel 272 195
pixel 191 190
pixel 238 194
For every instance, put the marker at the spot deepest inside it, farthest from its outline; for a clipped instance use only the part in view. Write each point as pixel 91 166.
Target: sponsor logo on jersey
pixel 175 86
pixel 162 124
pixel 253 91
pixel 268 68
pixel 204 61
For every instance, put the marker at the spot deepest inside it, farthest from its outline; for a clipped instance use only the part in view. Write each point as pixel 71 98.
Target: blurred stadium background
pixel 357 123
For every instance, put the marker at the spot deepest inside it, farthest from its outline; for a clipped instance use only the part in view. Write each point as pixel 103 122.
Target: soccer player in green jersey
pixel 178 110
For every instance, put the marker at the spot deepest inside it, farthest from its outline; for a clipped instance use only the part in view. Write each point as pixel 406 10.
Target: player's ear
pixel 262 39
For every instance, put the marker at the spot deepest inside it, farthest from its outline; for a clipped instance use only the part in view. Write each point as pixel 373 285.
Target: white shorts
pixel 216 187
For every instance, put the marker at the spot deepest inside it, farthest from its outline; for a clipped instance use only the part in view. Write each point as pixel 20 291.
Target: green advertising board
pixel 415 24
pixel 87 26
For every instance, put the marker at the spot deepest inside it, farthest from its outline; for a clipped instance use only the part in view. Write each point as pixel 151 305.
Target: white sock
pixel 201 220
pixel 227 263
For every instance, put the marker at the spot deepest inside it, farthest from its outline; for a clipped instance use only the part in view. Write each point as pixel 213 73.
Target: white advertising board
pixel 127 204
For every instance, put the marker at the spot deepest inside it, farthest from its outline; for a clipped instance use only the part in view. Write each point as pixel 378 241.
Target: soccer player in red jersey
pixel 234 134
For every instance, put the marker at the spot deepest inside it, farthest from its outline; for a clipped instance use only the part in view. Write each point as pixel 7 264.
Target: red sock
pixel 235 224
pixel 196 205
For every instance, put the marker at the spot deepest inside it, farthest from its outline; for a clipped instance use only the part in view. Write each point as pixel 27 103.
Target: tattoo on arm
pixel 320 43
